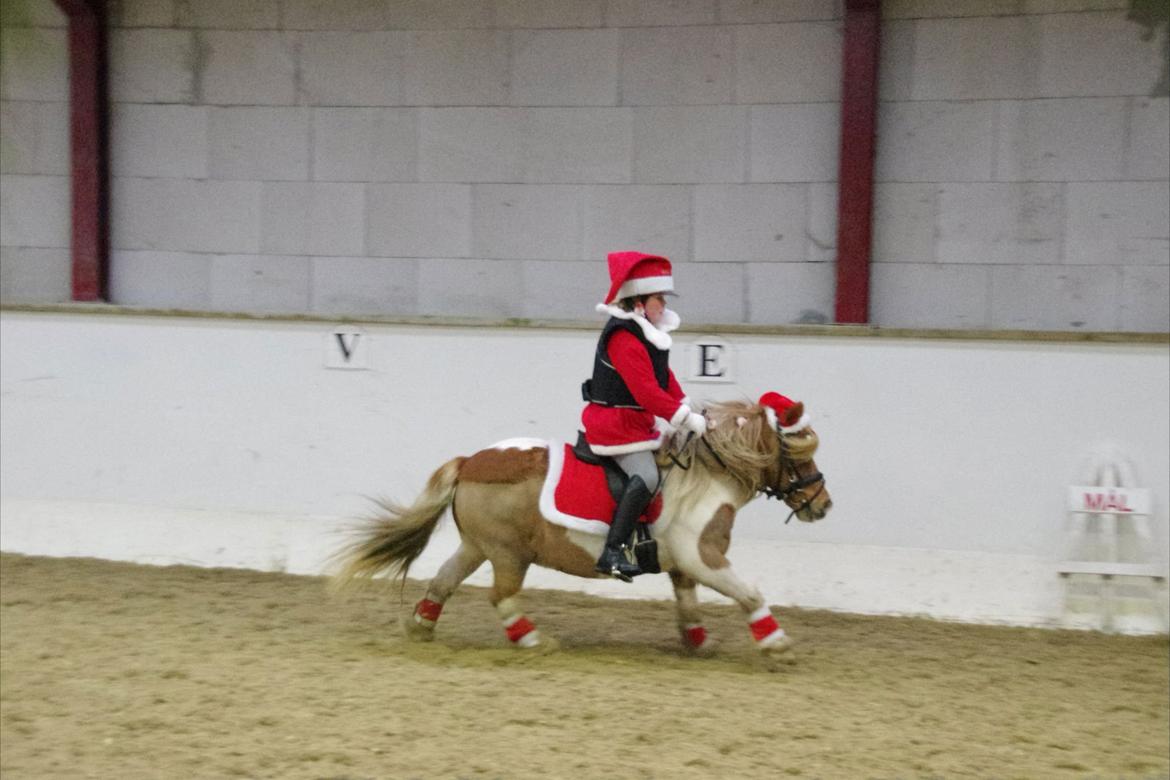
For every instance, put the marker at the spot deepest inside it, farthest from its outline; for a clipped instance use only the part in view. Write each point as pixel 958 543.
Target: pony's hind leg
pixel 420 626
pixel 690 618
pixel 521 632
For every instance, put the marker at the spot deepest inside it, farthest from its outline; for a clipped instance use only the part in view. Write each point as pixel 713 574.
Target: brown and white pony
pixel 495 499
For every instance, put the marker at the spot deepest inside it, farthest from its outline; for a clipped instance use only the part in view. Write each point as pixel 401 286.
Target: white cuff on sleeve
pixel 683 412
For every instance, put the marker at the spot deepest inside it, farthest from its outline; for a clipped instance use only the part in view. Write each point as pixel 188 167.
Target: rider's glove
pixel 695 423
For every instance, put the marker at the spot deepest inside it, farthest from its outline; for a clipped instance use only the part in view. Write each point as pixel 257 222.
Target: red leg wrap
pixel 428 610
pixel 696 636
pixel 763 627
pixel 519 628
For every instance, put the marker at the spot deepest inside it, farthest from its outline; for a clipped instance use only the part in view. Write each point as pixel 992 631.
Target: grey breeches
pixel 640 464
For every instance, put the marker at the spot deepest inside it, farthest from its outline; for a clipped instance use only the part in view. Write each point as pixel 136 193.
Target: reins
pixel 710 449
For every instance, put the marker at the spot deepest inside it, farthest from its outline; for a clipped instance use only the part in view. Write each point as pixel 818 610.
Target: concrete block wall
pixel 479 158
pixel 471 158
pixel 1023 167
pixel 34 153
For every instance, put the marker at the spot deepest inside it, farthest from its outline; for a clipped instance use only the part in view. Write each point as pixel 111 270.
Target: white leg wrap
pixel 508 608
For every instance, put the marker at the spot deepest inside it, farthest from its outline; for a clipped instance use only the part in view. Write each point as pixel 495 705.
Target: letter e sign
pixel 711 360
pixel 347 348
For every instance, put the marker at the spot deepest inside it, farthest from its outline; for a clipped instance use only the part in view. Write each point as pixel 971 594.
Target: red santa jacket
pixel 616 430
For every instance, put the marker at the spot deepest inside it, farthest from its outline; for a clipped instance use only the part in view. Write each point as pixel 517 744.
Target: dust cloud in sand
pixel 115 670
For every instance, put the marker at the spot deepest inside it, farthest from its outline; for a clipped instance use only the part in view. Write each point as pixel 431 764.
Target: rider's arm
pixel 629 357
pixel 674 389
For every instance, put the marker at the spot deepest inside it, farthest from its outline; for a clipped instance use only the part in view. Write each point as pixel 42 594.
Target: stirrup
pixel 617 565
pixel 618 574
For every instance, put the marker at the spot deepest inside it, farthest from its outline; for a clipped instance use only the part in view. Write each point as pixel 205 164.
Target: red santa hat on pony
pixel 783 413
pixel 636 273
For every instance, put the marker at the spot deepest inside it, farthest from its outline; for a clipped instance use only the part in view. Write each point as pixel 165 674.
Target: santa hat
pixel 635 273
pixel 783 413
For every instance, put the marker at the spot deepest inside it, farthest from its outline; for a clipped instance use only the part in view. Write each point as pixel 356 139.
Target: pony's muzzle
pixel 813 513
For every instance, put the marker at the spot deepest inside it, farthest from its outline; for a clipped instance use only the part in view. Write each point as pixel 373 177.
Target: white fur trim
pixel 659 337
pixel 670 321
pixel 800 424
pixel 760 614
pixel 647 285
pixel 548 505
pixel 623 449
pixel 519 444
pixel 683 413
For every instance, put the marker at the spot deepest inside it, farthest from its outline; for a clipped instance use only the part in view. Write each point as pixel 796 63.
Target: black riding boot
pixel 613 561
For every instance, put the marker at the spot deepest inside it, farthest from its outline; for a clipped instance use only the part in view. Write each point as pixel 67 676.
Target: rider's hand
pixel 695 423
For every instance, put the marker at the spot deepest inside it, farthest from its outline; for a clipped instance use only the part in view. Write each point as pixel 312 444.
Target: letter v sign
pixel 347 348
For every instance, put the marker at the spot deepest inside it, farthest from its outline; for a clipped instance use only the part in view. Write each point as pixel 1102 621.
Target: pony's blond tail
pixel 397 535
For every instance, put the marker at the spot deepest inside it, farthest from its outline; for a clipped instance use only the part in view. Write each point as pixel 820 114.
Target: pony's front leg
pixel 420 626
pixel 703 557
pixel 690 618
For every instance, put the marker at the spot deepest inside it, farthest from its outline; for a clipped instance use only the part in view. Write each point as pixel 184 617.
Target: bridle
pixel 794 485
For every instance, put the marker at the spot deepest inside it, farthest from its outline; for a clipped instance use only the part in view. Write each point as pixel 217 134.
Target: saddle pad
pixel 575 494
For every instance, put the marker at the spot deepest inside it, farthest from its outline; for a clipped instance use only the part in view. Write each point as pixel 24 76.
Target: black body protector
pixel 607 387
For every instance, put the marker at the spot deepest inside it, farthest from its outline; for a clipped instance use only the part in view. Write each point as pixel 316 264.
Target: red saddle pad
pixel 582 492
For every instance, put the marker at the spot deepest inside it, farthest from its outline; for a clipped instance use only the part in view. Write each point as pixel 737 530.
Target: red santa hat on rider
pixel 783 413
pixel 636 273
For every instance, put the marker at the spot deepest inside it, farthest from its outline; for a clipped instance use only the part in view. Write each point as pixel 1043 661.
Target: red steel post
pixel 88 138
pixel 859 87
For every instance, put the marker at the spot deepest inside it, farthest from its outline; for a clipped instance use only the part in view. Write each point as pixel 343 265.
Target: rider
pixel 632 384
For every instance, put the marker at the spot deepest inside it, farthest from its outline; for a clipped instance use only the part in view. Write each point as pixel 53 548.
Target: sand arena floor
pixel 111 670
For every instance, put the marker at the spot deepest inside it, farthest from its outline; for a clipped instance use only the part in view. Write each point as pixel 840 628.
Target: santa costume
pixel 631 387
pixel 632 383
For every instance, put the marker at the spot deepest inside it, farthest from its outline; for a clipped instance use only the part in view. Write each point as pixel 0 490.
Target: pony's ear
pixel 791 416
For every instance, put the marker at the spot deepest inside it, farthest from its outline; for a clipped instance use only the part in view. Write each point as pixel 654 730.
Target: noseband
pixel 795 485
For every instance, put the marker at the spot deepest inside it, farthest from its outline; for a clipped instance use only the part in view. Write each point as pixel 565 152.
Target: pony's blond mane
pixel 746 446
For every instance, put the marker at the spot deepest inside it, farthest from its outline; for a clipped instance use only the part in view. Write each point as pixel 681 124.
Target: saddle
pixel 615 478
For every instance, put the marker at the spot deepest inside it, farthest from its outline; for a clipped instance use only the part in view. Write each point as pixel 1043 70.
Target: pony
pixel 495 494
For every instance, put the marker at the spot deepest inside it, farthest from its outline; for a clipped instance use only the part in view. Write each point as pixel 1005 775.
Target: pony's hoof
pixel 779 650
pixel 705 650
pixel 416 631
pixel 543 645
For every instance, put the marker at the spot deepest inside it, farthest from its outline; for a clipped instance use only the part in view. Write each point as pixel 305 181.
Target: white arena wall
pixel 232 442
